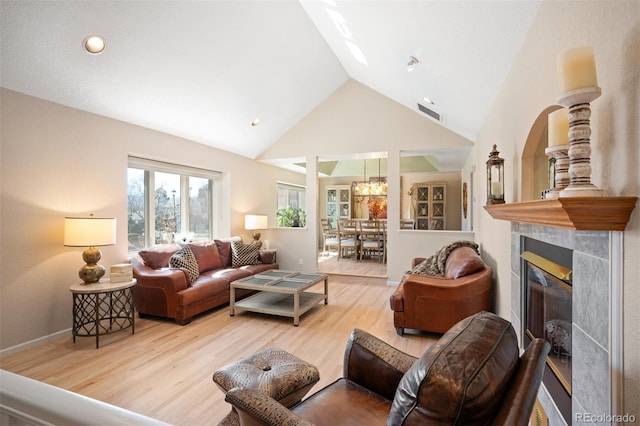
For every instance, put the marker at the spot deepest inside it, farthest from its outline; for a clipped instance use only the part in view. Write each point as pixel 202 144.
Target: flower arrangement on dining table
pixel 377 208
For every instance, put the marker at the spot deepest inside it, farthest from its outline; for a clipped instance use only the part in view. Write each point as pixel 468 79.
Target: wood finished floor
pixel 165 370
pixel 328 263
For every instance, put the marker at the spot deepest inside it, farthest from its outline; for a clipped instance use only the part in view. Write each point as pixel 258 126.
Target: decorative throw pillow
pixel 158 257
pixel 461 262
pixel 224 249
pixel 244 254
pixel 184 258
pixel 206 255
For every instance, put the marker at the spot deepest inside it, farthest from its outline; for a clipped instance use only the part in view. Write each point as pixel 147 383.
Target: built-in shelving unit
pixel 429 203
pixel 578 213
pixel 338 199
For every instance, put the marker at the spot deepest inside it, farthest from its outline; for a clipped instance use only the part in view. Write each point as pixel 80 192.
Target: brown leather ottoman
pixel 281 375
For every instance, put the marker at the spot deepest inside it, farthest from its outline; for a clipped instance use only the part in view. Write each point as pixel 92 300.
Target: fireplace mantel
pixel 578 213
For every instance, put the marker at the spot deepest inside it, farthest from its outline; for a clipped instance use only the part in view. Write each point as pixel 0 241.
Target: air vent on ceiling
pixel 431 113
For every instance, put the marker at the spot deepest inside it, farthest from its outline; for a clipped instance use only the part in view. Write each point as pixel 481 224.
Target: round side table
pixel 102 308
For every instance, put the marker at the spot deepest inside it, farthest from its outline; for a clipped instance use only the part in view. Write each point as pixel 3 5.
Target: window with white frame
pixel 291 211
pixel 170 202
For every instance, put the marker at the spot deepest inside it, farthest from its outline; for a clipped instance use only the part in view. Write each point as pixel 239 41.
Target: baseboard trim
pixel 35 342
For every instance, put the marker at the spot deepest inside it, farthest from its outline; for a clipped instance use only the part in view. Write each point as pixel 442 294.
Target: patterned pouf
pixel 284 377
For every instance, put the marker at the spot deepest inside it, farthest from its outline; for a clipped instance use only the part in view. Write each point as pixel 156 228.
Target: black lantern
pixel 495 178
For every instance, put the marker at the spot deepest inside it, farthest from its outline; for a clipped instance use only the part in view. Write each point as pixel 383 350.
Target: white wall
pixel 355 120
pixel 58 161
pixel 613 29
pixel 53 157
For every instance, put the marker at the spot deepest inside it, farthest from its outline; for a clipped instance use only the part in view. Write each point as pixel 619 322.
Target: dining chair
pixel 329 236
pixel 372 238
pixel 348 237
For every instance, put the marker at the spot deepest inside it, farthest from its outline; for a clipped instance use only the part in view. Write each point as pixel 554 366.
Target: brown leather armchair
pixel 472 375
pixel 435 304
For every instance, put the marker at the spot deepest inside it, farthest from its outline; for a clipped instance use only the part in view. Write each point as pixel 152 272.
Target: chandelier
pixel 365 188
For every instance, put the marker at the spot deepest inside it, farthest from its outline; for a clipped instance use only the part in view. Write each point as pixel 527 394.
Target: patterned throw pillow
pixel 244 254
pixel 184 258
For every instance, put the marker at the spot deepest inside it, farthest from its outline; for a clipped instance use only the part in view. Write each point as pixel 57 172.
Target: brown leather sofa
pixel 168 292
pixel 435 304
pixel 472 376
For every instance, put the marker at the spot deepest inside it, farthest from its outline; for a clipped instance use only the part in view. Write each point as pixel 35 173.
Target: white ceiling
pixel 203 70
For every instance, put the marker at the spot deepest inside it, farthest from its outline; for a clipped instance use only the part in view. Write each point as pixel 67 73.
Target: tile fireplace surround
pixel 596 316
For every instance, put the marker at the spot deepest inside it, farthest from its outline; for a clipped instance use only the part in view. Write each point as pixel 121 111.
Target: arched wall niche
pixel 535 163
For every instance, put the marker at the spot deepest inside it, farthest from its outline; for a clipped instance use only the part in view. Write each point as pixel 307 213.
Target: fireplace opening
pixel 547 299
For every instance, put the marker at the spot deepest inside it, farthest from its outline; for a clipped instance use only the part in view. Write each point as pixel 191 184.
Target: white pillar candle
pixel 559 127
pixel 577 69
pixel 496 189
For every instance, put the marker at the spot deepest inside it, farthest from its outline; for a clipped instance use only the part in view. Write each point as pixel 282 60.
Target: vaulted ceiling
pixel 204 70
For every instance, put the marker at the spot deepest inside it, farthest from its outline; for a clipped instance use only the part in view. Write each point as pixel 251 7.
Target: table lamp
pixel 255 222
pixel 90 232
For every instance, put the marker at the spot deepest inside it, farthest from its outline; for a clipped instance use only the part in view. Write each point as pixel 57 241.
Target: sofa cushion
pixel 245 254
pixel 184 258
pixel 224 249
pixel 206 255
pixel 462 378
pixel 461 262
pixel 230 274
pixel 339 403
pixel 256 269
pixel 158 256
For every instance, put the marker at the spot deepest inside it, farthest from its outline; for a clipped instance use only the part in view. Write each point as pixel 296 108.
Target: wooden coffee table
pixel 279 293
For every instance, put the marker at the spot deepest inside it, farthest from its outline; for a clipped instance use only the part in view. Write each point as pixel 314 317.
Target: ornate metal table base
pixel 102 308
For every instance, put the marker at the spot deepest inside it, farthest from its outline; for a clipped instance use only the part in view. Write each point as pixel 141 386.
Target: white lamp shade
pixel 89 231
pixel 255 221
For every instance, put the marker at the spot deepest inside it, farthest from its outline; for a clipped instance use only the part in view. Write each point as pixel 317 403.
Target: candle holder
pixel 578 103
pixel 561 175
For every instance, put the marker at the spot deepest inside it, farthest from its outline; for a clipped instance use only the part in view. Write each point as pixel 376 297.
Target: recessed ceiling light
pixel 255 122
pixel 413 61
pixel 94 44
pixel 427 100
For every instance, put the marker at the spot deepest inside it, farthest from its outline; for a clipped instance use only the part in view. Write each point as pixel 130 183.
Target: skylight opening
pixel 356 52
pixel 343 29
pixel 340 24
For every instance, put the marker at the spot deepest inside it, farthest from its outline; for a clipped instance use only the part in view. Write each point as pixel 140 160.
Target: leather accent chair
pixel 472 375
pixel 435 304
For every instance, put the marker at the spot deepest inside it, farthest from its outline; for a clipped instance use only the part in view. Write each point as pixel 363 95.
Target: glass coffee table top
pixel 276 273
pixel 255 280
pixel 279 293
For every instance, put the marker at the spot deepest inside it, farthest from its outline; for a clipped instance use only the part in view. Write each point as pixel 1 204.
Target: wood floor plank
pixel 165 370
pixel 328 263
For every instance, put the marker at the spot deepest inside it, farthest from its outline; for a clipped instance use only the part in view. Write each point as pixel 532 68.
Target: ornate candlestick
pixel 578 102
pixel 561 154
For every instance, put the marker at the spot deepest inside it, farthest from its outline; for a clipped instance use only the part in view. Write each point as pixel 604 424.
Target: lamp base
pixel 91 272
pixel 256 237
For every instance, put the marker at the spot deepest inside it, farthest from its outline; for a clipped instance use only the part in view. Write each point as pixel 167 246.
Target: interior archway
pixel 535 163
